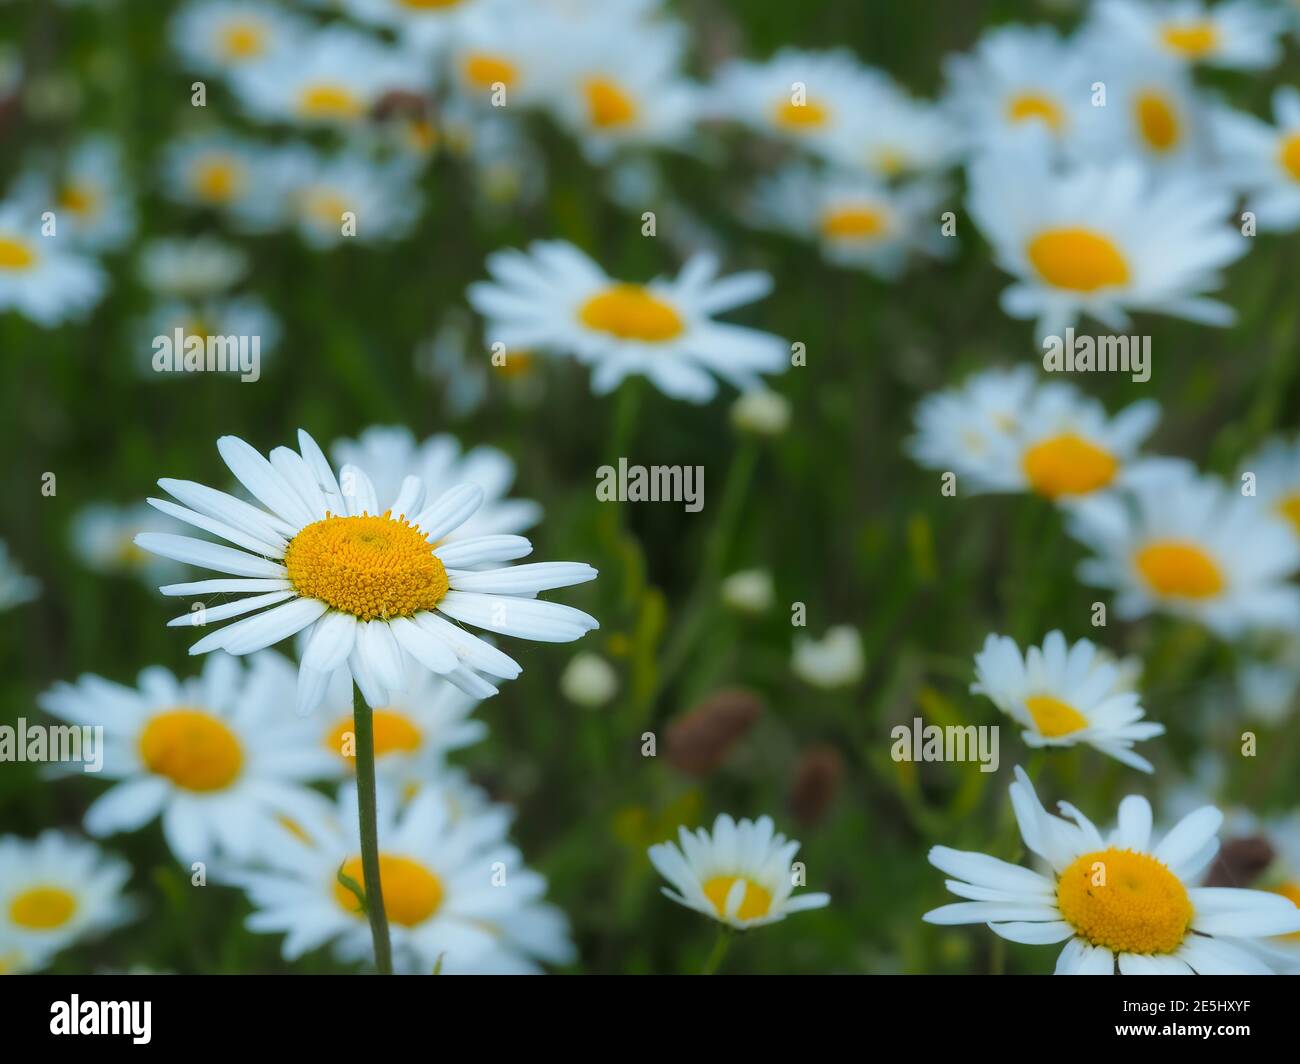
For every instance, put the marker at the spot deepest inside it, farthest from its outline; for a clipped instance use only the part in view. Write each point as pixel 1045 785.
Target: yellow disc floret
pixel 1125 901
pixel 1067 465
pixel 1077 259
pixel 42 908
pixel 1179 569
pixel 193 749
pixel 754 905
pixel 411 892
pixel 371 567
pixel 631 312
pixel 1054 718
pixel 395 733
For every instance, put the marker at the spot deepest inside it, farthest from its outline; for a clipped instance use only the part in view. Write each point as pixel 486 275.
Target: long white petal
pixel 207 555
pixel 331 642
pixel 449 512
pixel 480 550
pixel 524 579
pixel 198 588
pixel 220 528
pixel 202 618
pixel 262 481
pixel 546 622
pixel 428 649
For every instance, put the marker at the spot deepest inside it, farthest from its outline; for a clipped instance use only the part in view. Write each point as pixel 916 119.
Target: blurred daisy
pixel 1193 547
pixel 56 890
pixel 1264 161
pixel 189 268
pixel 335 78
pixel 1241 34
pixel 1018 78
pixel 347 197
pixel 588 680
pixel 457 894
pixel 103 538
pixel 833 661
pixel 811 99
pixel 857 221
pixel 761 411
pixel 394 454
pixel 362 582
pixel 1103 241
pixel 42 277
pixel 88 195
pixel 213 755
pixel 424 24
pixel 225 174
pixel 16 587
pixel 739 873
pixel 749 591
pixel 554 298
pixel 496 59
pixel 234 317
pixel 894 136
pixel 1119 903
pixel 1064 694
pixel 218 36
pixel 1276 469
pixel 966 430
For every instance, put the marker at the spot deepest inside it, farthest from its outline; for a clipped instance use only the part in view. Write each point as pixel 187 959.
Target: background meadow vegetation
pixel 844 520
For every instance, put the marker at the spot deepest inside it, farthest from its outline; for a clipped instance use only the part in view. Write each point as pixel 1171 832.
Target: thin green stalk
pixel 719 951
pixel 363 726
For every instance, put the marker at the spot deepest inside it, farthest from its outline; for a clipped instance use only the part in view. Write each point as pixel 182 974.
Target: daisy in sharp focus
pixel 213 755
pixel 1065 694
pixel 218 36
pixel 362 582
pixel 1263 160
pixel 56 890
pixel 857 221
pixel 1103 241
pixel 42 277
pixel 554 298
pixel 457 893
pixel 738 873
pixel 1120 903
pixel 1240 34
pixel 16 587
pixel 87 192
pixel 1193 547
pixel 393 453
pixel 226 174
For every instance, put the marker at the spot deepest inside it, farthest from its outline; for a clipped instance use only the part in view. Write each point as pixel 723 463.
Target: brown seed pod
pixel 700 740
pixel 1240 861
pixel 817 779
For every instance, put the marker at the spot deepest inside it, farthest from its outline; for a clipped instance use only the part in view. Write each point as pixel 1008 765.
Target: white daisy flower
pixel 423 24
pixel 589 681
pixel 1275 468
pixel 1263 161
pixel 16 587
pixel 814 100
pixel 225 174
pixel 1119 903
pixel 496 59
pixel 1193 547
pixel 856 220
pixel 1241 34
pixel 965 430
pixel 88 195
pixel 739 873
pixel 56 890
pixel 1064 694
pixel 103 538
pixel 228 316
pixel 894 135
pixel 218 36
pixel 457 894
pixel 749 591
pixel 334 200
pixel 833 661
pixel 553 297
pixel 1017 78
pixel 1103 240
pixel 190 268
pixel 363 583
pixel 335 78
pixel 393 453
pixel 42 277
pixel 212 756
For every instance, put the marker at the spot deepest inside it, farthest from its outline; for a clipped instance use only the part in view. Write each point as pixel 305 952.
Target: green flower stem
pixel 719 951
pixel 363 726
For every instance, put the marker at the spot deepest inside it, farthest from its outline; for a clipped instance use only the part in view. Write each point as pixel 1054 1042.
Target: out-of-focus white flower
pixel 88 195
pixel 1263 160
pixel 761 411
pixel 1241 34
pixel 749 591
pixel 218 36
pixel 16 587
pixel 588 680
pixel 833 661
pixel 103 538
pixel 226 174
pixel 191 268
pixel 42 277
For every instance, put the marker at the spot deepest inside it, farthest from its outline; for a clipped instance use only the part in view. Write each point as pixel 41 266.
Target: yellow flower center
pixel 1191 39
pixel 483 71
pixel 16 254
pixel 1179 570
pixel 755 904
pixel 797 116
pixel 1290 891
pixel 853 223
pixel 394 733
pixel 1128 902
pixel 1067 465
pixel 193 749
pixel 1077 259
pixel 890 161
pixel 518 363
pixel 217 179
pixel 1054 718
pixel 1035 106
pixel 630 312
pixel 42 908
pixel 1289 508
pixel 324 206
pixel 370 567
pixel 327 100
pixel 411 892
pixel 243 40
pixel 608 105
pixel 1289 154
pixel 1157 121
pixel 79 199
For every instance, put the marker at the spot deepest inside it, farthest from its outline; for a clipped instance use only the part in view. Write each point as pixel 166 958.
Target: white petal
pixel 449 512
pixel 546 622
pixel 378 648
pixel 1189 835
pixel 207 555
pixel 480 550
pixel 331 642
pixel 203 617
pixel 429 650
pixel 524 579
pixel 262 481
pixel 198 588
pixel 220 528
